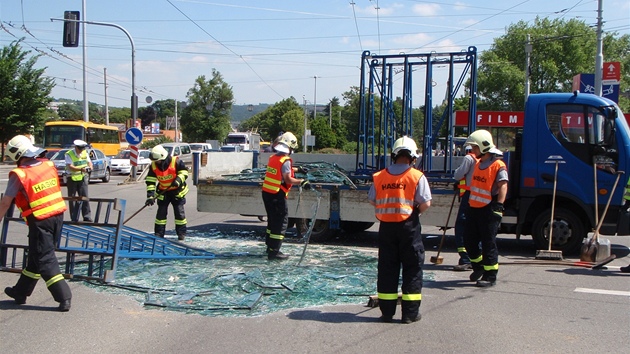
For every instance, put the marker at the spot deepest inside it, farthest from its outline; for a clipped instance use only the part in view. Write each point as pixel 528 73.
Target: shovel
pixel 437 259
pixel 591 249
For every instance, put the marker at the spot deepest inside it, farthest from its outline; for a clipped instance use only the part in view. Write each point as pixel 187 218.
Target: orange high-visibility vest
pixel 395 194
pixel 273 177
pixel 481 185
pixel 166 177
pixel 43 197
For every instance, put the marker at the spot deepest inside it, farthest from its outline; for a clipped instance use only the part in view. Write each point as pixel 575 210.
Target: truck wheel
pixel 568 231
pixel 321 231
pixel 353 227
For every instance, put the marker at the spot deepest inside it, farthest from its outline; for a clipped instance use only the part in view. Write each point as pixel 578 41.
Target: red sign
pixel 611 71
pixel 492 119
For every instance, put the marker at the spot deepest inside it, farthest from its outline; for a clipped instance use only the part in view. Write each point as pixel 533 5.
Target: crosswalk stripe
pixel 602 291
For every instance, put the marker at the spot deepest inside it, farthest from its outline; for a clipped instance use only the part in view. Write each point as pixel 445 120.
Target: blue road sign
pixel 133 136
pixel 610 91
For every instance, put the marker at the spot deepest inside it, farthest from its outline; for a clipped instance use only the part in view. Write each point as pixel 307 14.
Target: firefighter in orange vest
pixel 34 185
pixel 463 174
pixel 166 182
pixel 488 189
pixel 400 193
pixel 279 178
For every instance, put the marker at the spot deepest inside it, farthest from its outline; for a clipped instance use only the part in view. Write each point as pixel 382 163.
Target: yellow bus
pixel 61 134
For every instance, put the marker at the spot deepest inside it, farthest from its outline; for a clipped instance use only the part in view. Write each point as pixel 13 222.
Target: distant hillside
pixel 242 112
pixel 239 112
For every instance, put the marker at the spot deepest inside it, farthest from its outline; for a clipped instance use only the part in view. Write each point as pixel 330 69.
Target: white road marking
pixel 601 291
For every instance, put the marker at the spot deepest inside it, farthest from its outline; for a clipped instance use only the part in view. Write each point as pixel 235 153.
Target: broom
pixel 549 253
pixel 437 259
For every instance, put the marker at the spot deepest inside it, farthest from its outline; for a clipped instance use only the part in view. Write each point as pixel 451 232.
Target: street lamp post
pixel 176 132
pixel 315 99
pixel 305 124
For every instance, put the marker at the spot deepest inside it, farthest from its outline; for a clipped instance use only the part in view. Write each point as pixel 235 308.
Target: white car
pixel 122 164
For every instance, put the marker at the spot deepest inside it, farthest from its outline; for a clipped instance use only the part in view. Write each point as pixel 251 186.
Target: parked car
pixel 100 162
pixel 201 147
pixel 121 163
pixel 182 151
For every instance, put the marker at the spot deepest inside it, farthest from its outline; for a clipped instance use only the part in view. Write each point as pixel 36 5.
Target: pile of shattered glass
pixel 249 284
pixel 240 281
pixel 316 172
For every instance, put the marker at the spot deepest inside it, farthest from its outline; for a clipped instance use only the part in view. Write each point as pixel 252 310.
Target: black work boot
pixel 181 237
pixel 407 320
pixel 476 274
pixel 19 299
pixel 487 280
pixel 276 255
pixel 64 306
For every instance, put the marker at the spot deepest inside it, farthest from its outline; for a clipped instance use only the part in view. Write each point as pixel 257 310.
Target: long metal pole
pixel 86 113
pixel 528 52
pixel 176 133
pixel 315 99
pixel 305 124
pixel 106 106
pixel 134 101
pixel 599 59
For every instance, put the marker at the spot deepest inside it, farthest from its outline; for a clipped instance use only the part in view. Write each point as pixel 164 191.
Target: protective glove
pixel 301 169
pixel 497 209
pixel 149 202
pixel 305 185
pixel 176 183
pixel 456 186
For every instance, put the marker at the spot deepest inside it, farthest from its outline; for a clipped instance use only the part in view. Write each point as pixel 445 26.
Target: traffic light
pixel 71 29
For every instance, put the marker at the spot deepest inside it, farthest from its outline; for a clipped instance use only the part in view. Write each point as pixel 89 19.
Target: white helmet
pixel 20 146
pixel 483 139
pixel 405 144
pixel 158 153
pixel 286 142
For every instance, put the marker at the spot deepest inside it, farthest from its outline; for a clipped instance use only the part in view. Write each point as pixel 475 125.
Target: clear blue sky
pixel 266 50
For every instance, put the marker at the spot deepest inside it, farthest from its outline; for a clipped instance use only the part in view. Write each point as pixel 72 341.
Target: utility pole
pixel 528 52
pixel 176 133
pixel 599 59
pixel 86 112
pixel 305 124
pixel 315 99
pixel 106 106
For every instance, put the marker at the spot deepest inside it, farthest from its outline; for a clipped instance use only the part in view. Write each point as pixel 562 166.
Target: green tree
pixel 286 115
pixel 561 49
pixel 70 111
pixel 119 115
pixel 350 113
pixel 24 92
pixel 146 115
pixel 324 135
pixel 207 114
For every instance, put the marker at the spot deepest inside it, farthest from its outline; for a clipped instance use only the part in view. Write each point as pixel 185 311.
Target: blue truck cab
pixel 589 139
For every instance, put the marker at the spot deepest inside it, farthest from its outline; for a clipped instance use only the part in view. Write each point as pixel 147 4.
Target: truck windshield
pixel 235 140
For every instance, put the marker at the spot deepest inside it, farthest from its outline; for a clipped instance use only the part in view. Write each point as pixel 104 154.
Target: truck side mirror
pixel 609 132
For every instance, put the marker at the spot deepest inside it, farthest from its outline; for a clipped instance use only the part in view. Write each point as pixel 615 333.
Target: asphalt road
pixel 533 308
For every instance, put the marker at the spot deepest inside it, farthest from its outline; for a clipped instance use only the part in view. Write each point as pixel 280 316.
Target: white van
pixel 182 151
pixel 201 147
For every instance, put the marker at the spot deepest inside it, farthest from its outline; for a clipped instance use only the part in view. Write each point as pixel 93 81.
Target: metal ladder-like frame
pixel 99 244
